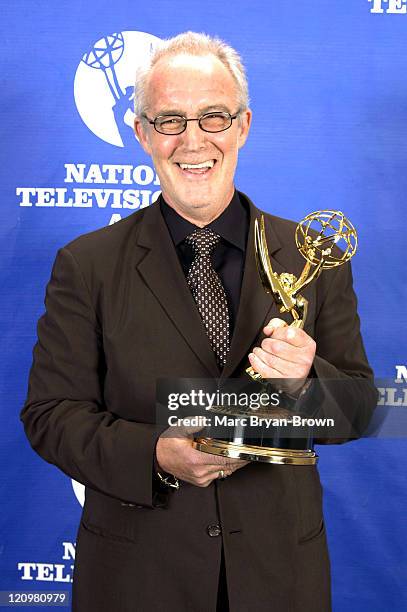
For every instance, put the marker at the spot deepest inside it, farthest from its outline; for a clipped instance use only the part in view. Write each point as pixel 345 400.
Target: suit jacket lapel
pixel 255 306
pixel 162 271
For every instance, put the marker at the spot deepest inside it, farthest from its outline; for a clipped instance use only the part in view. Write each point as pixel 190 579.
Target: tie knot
pixel 203 241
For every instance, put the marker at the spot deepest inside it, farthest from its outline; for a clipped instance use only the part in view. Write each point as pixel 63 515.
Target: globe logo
pixel 104 84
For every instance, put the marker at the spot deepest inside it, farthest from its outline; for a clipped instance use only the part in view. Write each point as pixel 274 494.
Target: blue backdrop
pixel 329 97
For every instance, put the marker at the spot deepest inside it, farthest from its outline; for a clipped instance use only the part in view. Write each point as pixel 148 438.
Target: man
pixel 125 307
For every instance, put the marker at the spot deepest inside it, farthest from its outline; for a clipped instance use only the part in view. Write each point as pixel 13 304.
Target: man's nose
pixel 193 136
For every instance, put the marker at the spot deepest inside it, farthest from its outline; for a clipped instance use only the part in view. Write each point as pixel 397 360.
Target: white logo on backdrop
pixel 394 7
pixel 395 396
pixel 79 491
pixel 104 84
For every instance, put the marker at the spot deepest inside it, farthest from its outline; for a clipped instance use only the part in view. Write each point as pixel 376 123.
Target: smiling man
pixel 173 292
pixel 200 122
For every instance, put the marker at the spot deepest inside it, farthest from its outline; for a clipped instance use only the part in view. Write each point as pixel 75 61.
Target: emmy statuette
pixel 316 237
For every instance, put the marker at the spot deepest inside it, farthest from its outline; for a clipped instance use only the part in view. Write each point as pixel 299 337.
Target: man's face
pixel 191 86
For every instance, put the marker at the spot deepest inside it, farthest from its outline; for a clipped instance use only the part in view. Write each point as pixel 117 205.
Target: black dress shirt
pixel 229 255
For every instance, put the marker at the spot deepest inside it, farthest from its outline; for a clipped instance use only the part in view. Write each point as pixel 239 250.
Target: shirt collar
pixel 232 225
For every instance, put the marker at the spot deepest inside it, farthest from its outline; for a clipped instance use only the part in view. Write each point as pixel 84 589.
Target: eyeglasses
pixel 217 121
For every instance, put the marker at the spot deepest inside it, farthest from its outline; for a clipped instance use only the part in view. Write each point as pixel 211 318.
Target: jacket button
pixel 213 531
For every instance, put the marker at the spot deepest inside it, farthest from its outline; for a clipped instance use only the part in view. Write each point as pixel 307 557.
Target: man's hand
pixel 287 352
pixel 176 456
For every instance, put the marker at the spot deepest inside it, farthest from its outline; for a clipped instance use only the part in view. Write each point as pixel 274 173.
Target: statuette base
pixel 263 454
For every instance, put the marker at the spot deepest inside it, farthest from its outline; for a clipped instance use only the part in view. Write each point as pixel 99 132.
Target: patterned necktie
pixel 208 292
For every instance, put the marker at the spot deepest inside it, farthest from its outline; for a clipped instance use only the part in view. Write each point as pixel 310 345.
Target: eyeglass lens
pixel 211 122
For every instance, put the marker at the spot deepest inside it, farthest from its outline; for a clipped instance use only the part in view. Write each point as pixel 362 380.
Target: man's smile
pixel 198 168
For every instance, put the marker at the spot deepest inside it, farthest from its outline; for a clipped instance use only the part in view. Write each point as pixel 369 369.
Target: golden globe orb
pixel 326 236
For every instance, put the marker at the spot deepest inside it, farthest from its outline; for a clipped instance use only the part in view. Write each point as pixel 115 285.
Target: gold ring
pixel 221 474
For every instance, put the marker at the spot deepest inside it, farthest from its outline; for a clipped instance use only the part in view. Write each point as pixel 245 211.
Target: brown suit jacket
pixel 119 315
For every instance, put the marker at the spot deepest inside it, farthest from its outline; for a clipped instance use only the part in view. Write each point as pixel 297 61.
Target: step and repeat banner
pixel 328 92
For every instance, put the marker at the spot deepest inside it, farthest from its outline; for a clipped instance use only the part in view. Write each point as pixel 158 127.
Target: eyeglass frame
pixel 199 119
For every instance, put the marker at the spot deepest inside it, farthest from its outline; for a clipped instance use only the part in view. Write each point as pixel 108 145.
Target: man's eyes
pixel 169 120
pixel 177 118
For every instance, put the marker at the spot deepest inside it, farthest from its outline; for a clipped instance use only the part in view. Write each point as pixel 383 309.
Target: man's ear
pixel 141 135
pixel 244 126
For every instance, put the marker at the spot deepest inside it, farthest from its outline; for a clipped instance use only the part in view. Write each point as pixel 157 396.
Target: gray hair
pixel 192 43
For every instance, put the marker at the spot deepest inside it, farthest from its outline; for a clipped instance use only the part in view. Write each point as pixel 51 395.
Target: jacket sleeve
pixel 65 418
pixel 344 388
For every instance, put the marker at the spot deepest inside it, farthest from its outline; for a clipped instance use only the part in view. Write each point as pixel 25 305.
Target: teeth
pixel 205 164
